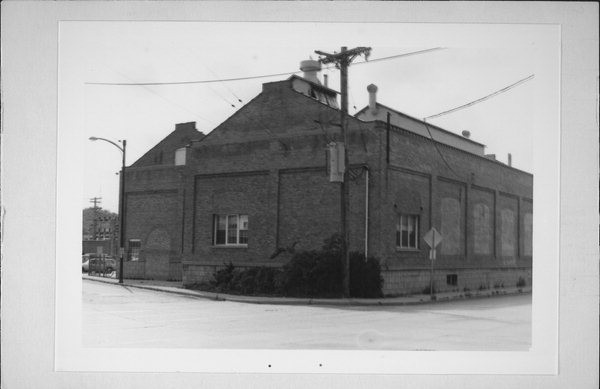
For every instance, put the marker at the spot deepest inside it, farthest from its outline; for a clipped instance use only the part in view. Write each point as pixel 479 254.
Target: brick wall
pixel 154 212
pixel 398 282
pixel 247 194
pixel 268 161
pixel 164 152
pixel 452 194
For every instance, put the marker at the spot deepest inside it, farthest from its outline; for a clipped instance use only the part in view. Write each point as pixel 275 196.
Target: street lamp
pixel 121 202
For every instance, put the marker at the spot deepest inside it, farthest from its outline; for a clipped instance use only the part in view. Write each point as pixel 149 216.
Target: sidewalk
pixel 175 287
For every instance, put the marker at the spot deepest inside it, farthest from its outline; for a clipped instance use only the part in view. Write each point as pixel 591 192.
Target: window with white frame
pixel 407 232
pixel 230 230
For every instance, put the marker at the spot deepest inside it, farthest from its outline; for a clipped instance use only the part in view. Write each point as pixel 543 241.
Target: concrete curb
pixel 390 301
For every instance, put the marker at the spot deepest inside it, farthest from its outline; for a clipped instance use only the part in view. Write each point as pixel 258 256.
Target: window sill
pixel 407 250
pixel 230 246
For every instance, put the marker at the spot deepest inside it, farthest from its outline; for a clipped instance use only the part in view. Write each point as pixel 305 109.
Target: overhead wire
pixel 253 77
pixel 489 96
pixel 398 56
pixel 193 82
pixel 162 97
pixel 224 84
pixel 435 143
pixel 505 89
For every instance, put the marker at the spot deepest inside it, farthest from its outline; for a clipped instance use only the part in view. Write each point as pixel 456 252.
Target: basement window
pixel 407 232
pixel 230 230
pixel 452 279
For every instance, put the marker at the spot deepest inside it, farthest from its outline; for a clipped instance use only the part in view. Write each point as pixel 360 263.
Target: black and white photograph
pixel 357 189
pixel 307 195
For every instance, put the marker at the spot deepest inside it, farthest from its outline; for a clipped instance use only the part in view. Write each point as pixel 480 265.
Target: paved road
pixel 117 316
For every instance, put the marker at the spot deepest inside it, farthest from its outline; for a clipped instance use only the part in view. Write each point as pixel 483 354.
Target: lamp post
pixel 121 202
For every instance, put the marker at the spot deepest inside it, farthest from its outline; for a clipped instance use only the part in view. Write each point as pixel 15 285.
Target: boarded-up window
pixel 527 234
pixel 508 233
pixel 450 227
pixel 482 234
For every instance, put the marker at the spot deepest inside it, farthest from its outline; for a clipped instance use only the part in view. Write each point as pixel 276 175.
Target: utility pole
pixel 342 60
pixel 96 201
pixel 123 150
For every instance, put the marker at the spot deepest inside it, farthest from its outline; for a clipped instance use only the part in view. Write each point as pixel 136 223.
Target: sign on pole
pixel 433 238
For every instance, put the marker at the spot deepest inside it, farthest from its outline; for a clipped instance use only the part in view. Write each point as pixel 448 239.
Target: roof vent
pixel 372 89
pixel 466 134
pixel 310 67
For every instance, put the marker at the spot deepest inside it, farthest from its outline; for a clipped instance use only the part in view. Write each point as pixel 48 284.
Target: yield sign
pixel 433 238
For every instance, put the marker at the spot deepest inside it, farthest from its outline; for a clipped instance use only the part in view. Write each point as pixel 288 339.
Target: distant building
pixel 259 182
pixel 100 232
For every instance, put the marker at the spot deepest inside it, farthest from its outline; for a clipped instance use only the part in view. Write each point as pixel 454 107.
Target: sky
pixel 473 62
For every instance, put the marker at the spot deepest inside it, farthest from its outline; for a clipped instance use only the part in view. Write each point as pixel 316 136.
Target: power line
pixel 400 55
pixel 224 84
pixel 483 98
pixel 435 143
pixel 159 95
pixel 250 77
pixel 192 82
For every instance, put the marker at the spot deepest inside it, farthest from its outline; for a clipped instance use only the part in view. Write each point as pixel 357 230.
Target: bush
pixel 320 273
pixel 312 273
pixel 317 273
pixel 521 282
pixel 223 277
pixel 264 282
pixel 365 276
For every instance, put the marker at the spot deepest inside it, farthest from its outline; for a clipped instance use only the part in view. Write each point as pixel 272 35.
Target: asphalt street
pixel 118 316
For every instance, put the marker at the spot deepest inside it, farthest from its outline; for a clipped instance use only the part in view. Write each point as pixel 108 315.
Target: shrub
pixel 317 273
pixel 253 280
pixel 428 290
pixel 264 281
pixel 365 276
pixel 223 277
pixel 312 273
pixel 320 273
pixel 521 282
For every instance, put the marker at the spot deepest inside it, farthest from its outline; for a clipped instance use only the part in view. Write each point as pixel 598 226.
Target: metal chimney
pixel 372 89
pixel 310 68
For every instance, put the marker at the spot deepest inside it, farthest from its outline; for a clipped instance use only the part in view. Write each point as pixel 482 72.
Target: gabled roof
pixel 419 121
pixel 183 134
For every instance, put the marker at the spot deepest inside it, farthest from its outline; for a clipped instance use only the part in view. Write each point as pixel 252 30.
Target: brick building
pixel 259 182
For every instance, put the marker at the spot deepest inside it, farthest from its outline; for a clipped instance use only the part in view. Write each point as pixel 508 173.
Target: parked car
pixel 85 264
pixel 102 264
